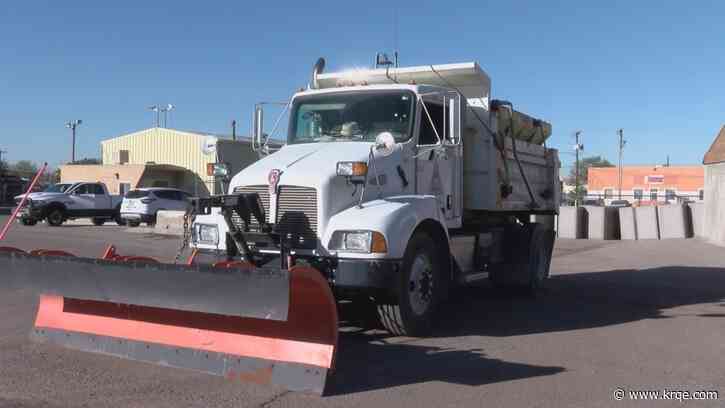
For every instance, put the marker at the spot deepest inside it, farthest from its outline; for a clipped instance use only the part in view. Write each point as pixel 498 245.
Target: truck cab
pixel 395 184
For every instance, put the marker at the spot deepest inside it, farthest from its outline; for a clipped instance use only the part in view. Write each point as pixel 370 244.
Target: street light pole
pixel 622 142
pixel 72 125
pixel 155 108
pixel 167 109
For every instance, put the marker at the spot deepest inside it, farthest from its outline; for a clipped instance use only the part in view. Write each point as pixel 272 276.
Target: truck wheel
pixel 420 291
pixel 28 221
pixel 540 249
pixel 133 224
pixel 117 217
pixel 98 221
pixel 528 258
pixel 55 217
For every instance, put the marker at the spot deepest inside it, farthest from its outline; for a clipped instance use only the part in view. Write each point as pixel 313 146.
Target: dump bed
pixel 488 168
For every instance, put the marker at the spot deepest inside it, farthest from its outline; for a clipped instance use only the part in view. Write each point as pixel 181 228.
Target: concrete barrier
pixel 572 222
pixel 672 221
pixel 169 222
pixel 646 221
pixel 697 217
pixel 603 222
pixel 627 223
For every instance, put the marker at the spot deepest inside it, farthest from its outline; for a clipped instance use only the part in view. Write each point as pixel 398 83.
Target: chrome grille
pixel 263 193
pixel 296 210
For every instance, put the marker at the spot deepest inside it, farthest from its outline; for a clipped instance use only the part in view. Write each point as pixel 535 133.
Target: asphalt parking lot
pixel 644 315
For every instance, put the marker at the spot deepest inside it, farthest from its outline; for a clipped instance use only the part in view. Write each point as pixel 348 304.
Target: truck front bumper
pixel 364 273
pixel 344 273
pixel 30 212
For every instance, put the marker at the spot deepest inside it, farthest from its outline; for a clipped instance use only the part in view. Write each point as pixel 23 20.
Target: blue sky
pixel 654 68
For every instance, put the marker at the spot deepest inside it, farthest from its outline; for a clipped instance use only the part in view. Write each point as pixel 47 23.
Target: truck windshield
pixel 351 116
pixel 57 188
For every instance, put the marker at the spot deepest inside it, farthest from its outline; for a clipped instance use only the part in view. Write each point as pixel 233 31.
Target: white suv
pixel 142 204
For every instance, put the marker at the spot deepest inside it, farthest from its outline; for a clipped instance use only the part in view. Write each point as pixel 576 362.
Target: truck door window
pixel 97 189
pixel 82 189
pixel 427 134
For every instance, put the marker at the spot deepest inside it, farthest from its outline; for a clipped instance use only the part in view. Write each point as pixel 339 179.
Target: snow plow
pixel 268 325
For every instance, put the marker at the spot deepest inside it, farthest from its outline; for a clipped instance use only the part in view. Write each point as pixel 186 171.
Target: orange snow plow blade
pixel 294 348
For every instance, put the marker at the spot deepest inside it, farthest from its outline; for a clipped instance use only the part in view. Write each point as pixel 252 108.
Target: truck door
pixel 101 200
pixel 438 158
pixel 82 202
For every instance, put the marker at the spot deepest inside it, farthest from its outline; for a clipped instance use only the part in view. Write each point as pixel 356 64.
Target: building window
pixel 701 194
pixel 123 157
pixel 608 193
pixel 653 194
pixel 670 195
pixel 638 194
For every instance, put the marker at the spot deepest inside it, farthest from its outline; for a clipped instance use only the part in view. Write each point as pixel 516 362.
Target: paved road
pixel 640 315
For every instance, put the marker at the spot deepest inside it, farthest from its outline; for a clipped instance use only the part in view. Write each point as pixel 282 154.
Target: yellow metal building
pixel 160 157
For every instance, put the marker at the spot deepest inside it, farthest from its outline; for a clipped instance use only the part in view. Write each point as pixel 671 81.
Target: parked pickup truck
pixel 65 201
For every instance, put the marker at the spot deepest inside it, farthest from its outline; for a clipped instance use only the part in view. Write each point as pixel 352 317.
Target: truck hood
pixel 307 164
pixel 41 196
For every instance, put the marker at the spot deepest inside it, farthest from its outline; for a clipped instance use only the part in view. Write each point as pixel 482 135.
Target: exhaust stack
pixel 317 70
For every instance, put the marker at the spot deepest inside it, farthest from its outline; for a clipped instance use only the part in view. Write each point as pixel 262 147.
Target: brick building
pixel 646 185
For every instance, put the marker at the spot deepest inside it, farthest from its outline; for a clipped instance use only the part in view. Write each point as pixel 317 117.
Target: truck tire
pixel 540 249
pixel 28 221
pixel 421 289
pixel 133 224
pixel 55 217
pixel 528 258
pixel 98 221
pixel 117 217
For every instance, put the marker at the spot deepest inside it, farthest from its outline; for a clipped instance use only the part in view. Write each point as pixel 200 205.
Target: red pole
pixel 22 202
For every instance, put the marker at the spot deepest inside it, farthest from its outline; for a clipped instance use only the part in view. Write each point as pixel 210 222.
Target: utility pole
pixel 72 125
pixel 234 130
pixel 622 142
pixel 577 147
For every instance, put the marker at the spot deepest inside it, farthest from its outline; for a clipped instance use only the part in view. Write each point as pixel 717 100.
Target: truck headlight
pixel 206 234
pixel 358 241
pixel 351 169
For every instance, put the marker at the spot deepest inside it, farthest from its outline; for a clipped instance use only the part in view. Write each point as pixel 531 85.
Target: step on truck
pixel 394 186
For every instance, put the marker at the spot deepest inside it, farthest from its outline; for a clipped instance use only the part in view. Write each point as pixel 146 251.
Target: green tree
pixel 577 193
pixel 25 167
pixel 584 165
pixel 87 160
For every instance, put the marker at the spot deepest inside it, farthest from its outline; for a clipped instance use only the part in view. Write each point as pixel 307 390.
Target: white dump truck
pixel 396 184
